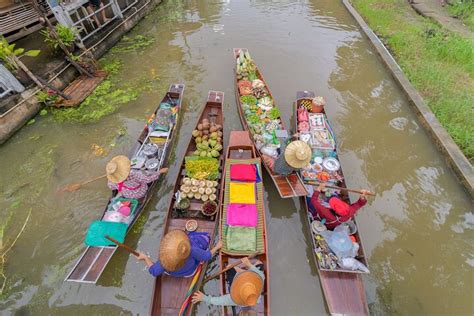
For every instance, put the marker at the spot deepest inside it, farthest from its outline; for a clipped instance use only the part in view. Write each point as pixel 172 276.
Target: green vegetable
pixel 273 114
pixel 196 168
pixel 248 99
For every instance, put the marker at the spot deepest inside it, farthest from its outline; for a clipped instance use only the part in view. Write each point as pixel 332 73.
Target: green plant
pixel 10 55
pixel 66 34
pixel 47 98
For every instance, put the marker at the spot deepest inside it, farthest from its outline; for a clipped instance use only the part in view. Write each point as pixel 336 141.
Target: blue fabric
pixel 259 178
pixel 199 252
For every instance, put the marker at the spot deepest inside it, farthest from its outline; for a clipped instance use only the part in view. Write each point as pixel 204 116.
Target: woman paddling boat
pixel 342 286
pixel 243 230
pixel 194 211
pixel 149 157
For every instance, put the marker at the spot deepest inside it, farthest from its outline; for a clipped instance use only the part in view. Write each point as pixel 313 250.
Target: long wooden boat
pixel 93 261
pixel 241 150
pixel 343 289
pixel 288 186
pixel 169 292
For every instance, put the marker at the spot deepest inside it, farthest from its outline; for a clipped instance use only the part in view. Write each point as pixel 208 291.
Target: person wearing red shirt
pixel 338 212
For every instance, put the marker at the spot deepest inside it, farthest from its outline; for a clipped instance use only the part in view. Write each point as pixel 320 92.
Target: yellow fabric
pixel 242 193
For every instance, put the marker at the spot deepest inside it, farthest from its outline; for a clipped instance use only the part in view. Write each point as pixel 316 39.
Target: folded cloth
pixel 242 193
pixel 242 238
pixel 97 231
pixel 242 215
pixel 243 172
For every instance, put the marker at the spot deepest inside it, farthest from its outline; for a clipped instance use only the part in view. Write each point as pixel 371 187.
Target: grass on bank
pixel 463 10
pixel 439 64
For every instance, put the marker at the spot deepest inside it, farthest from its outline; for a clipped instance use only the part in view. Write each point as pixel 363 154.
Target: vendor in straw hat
pixel 294 156
pixel 180 253
pixel 245 287
pixel 131 183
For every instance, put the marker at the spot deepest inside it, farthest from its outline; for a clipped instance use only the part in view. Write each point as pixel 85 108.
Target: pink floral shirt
pixel 136 185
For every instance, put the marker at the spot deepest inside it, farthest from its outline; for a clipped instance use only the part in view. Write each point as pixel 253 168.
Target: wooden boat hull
pixel 93 261
pixel 343 289
pixel 288 186
pixel 169 292
pixel 242 148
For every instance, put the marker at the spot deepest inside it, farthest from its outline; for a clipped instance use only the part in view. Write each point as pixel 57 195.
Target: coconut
pixel 201 190
pixel 204 197
pixel 212 197
pixel 186 189
pixel 190 195
pixel 208 191
pixel 215 183
pixel 187 181
pixel 214 190
pixel 195 182
pixel 209 184
pixel 197 195
pixel 202 183
pixel 194 189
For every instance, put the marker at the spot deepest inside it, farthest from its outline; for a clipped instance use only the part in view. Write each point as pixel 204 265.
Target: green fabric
pixel 242 238
pixel 98 230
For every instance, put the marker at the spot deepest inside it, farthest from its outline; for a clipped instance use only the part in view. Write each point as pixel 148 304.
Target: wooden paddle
pixel 314 183
pixel 132 251
pixel 230 266
pixel 71 187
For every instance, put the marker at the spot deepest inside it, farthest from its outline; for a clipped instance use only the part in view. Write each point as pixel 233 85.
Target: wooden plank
pixel 99 266
pixel 83 266
pixel 80 89
pixel 344 292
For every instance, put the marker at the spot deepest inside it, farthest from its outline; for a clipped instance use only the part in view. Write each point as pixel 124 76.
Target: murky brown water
pixel 418 231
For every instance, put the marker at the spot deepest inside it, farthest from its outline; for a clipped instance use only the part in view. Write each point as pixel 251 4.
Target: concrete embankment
pixel 454 156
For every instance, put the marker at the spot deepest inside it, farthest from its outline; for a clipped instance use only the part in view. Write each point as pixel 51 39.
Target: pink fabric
pixel 241 172
pixel 242 215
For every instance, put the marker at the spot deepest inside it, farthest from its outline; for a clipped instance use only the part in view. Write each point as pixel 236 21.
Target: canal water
pixel 417 231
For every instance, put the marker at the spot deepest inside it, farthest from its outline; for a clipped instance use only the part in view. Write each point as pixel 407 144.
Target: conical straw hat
pixel 246 288
pixel 174 250
pixel 118 169
pixel 298 154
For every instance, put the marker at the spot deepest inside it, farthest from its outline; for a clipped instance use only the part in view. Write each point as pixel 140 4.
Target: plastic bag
pixel 269 150
pixel 340 243
pixel 353 264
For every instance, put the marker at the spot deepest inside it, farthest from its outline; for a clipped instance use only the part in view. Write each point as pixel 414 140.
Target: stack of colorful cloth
pixel 242 213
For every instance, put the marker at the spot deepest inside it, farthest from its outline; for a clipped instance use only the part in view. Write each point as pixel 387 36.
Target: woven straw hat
pixel 298 154
pixel 174 250
pixel 118 169
pixel 246 288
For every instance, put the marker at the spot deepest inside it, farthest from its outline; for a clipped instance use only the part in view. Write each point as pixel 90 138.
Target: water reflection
pixel 408 224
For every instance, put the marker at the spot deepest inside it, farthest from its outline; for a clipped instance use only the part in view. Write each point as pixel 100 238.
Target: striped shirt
pixel 136 184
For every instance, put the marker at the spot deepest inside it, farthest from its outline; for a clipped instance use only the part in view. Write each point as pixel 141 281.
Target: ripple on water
pixel 399 123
